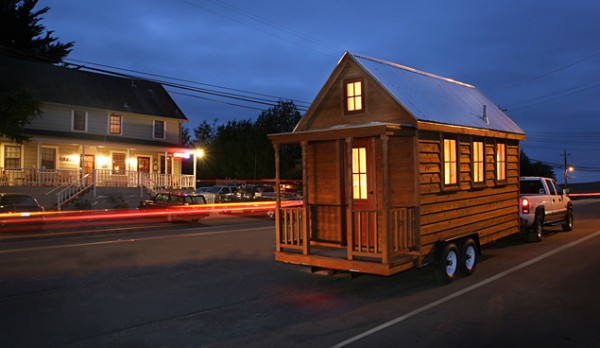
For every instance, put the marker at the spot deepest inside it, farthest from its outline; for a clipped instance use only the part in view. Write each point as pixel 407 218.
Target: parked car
pixel 220 194
pixel 178 205
pixel 20 212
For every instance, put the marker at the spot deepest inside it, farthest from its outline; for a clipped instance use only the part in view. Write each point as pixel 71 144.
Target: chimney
pixel 485 116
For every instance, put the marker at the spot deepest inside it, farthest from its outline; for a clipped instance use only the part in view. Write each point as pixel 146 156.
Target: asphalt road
pixel 216 285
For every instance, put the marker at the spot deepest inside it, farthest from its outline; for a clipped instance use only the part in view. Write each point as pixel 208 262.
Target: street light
pixel 567 170
pixel 199 153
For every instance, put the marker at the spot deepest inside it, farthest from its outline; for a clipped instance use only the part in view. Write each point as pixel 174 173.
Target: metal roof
pixel 436 99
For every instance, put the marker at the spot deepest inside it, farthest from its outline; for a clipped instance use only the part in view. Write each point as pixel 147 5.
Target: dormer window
pixel 353 92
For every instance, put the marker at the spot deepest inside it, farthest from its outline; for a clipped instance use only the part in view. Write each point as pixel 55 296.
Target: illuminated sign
pixel 181 154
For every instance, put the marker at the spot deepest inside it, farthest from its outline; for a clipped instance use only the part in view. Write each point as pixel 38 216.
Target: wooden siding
pixel 379 105
pixel 490 210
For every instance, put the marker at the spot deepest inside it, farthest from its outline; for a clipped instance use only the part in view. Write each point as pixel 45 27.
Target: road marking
pixel 463 291
pixel 131 240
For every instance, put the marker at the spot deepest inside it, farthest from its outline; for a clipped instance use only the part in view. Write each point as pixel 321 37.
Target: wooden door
pixel 365 216
pixel 88 165
pixel 143 164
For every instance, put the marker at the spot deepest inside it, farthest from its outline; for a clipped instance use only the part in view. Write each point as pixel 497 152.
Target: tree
pixel 17 107
pixel 22 35
pixel 536 168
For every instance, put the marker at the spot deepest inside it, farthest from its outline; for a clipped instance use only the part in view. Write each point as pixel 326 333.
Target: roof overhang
pixel 343 132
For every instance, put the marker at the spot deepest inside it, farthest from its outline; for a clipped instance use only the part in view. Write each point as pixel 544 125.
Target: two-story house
pixel 95 130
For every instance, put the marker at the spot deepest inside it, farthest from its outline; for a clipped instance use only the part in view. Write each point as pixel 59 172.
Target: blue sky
pixel 540 60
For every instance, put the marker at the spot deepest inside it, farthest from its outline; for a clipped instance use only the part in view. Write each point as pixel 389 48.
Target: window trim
pixel 154 122
pixel 346 96
pixel 85 121
pixel 21 155
pixel 109 131
pixel 497 163
pixel 55 148
pixel 474 163
pixel 450 186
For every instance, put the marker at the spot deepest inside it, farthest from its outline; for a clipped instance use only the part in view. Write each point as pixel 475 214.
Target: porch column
pixel 349 200
pixel 306 208
pixel 277 201
pixel 385 228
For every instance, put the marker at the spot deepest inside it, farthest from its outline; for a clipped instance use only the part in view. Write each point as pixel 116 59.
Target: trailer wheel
pixel 447 264
pixel 468 257
pixel 535 235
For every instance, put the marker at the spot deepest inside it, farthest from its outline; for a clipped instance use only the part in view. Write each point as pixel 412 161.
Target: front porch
pixel 381 242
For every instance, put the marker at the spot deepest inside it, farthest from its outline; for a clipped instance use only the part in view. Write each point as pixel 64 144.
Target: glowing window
pixel 478 162
pixel 500 162
pixel 118 163
pixel 354 96
pixel 114 124
pixel 359 173
pixel 450 163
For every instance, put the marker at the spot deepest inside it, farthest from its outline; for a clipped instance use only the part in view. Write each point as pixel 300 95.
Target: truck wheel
pixel 468 257
pixel 568 225
pixel 535 235
pixel 447 264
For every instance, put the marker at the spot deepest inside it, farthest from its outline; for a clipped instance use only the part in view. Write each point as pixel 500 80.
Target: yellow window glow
pixel 359 173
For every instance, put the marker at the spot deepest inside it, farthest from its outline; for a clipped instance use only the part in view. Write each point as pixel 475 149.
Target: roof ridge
pixel 404 67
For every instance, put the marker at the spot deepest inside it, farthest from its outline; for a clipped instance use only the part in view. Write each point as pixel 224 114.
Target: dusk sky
pixel 539 60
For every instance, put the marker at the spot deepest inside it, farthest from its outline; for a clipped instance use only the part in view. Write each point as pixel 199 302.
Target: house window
pixel 12 157
pixel 114 124
pixel 359 172
pixel 48 158
pixel 354 96
pixel 501 162
pixel 159 129
pixel 169 168
pixel 478 162
pixel 118 163
pixel 450 163
pixel 79 121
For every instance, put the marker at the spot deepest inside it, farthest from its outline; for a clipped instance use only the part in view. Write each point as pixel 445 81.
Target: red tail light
pixel 525 206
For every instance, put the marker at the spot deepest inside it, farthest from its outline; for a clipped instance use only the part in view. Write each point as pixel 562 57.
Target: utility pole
pixel 566 172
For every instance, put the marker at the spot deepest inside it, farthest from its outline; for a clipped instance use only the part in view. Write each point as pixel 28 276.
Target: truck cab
pixel 541 204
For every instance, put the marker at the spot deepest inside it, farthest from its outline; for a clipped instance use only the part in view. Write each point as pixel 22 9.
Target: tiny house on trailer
pixel 400 168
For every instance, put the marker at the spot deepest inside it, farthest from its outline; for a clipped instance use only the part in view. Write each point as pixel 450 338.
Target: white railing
pixel 38 177
pixel 73 191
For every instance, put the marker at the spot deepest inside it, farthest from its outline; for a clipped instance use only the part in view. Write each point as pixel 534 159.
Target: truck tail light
pixel 525 206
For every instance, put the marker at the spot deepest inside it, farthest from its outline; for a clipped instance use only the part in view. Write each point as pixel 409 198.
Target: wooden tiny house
pixel 398 166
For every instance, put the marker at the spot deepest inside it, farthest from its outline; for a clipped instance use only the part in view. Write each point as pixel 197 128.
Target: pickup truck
pixel 540 204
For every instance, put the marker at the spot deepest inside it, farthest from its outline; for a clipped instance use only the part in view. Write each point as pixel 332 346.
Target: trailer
pixel 400 169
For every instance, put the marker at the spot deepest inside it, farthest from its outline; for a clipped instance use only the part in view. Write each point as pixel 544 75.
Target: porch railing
pixel 38 177
pixel 369 237
pixel 73 190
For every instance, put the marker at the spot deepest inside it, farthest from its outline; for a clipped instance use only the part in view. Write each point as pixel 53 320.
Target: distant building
pixel 119 130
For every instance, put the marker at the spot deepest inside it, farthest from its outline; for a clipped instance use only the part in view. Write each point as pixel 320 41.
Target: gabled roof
pixel 431 98
pixel 54 84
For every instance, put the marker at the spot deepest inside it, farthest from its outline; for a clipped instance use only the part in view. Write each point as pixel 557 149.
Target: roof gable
pixel 432 98
pixel 61 85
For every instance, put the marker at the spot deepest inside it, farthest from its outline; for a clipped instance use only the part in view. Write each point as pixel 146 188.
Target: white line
pixel 463 291
pixel 116 241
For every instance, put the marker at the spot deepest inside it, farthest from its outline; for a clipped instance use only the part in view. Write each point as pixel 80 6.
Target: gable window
pixel 359 172
pixel 159 130
pixel 12 156
pixel 48 158
pixel 500 162
pixel 478 162
pixel 114 124
pixel 450 163
pixel 353 92
pixel 79 121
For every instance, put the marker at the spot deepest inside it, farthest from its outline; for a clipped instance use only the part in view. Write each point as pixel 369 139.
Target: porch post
pixel 349 200
pixel 277 201
pixel 385 228
pixel 305 207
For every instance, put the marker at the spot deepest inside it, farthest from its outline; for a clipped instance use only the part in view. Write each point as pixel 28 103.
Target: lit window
pixel 114 124
pixel 359 172
pixel 450 163
pixel 500 162
pixel 354 96
pixel 12 157
pixel 159 129
pixel 118 163
pixel 48 158
pixel 478 162
pixel 79 121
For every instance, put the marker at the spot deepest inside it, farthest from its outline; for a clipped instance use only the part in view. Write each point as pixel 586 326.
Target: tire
pixel 447 264
pixel 568 225
pixel 468 257
pixel 535 235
